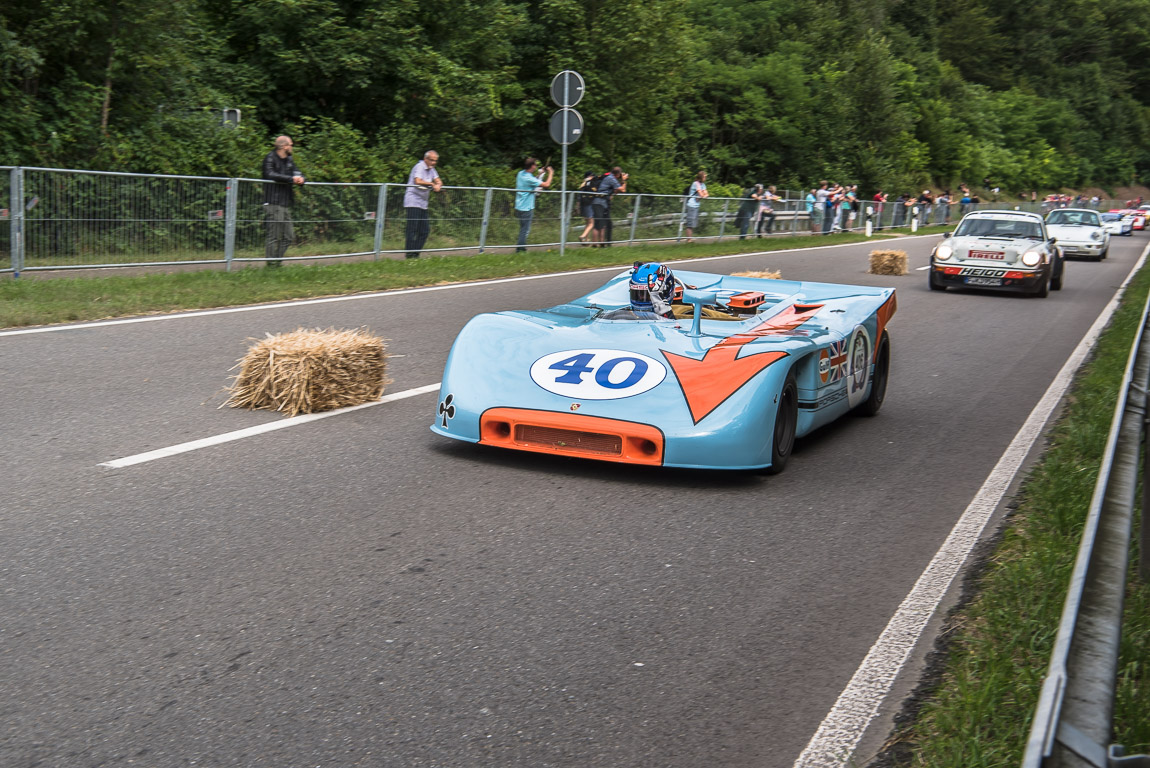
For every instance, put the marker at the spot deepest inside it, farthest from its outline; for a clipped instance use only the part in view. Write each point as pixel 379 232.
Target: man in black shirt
pixel 278 198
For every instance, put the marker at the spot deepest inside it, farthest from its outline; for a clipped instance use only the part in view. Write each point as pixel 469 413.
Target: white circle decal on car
pixel 858 375
pixel 597 374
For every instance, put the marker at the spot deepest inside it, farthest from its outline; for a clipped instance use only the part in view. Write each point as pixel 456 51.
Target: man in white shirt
pixel 421 182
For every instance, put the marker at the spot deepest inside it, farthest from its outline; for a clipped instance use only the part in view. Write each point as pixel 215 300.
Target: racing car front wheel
pixel 786 424
pixel 870 406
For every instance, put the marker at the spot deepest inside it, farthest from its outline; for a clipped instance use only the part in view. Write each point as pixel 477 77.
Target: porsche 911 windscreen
pixel 1073 218
pixel 1009 228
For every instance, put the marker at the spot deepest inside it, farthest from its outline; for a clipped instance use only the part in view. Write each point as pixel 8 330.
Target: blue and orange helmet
pixel 652 288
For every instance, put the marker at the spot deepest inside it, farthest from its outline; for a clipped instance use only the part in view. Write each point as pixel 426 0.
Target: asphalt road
pixel 360 592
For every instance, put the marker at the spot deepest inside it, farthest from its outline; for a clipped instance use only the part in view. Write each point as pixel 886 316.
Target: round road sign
pixel 574 126
pixel 567 88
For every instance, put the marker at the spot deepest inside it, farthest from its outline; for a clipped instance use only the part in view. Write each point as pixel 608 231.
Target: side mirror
pixel 946 235
pixel 1053 240
pixel 697 299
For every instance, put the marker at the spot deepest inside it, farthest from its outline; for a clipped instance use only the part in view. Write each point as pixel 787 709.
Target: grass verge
pixel 26 302
pixel 977 711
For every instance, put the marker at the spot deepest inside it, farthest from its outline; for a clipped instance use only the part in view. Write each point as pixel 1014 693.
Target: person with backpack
pixel 609 185
pixel 695 193
pixel 583 202
pixel 747 208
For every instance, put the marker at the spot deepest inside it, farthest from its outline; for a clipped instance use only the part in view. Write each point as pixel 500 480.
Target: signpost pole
pixel 564 131
pixel 563 178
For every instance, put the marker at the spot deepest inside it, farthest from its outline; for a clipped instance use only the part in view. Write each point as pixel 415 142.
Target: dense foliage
pixel 893 93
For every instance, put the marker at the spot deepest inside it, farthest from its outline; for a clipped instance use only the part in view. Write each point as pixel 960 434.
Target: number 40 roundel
pixel 597 374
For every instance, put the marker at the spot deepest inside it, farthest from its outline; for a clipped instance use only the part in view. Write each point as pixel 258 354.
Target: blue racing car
pixel 681 370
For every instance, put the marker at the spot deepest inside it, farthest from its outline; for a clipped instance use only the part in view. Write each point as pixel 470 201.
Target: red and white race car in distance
pixel 1137 217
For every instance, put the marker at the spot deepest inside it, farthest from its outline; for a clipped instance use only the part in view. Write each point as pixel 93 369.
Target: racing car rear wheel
pixel 786 423
pixel 874 401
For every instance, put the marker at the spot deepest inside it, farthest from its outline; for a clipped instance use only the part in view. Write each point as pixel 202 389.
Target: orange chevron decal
pixel 708 382
pixel 721 373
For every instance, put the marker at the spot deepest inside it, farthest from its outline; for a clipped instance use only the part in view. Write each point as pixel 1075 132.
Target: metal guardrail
pixel 62 219
pixel 1073 719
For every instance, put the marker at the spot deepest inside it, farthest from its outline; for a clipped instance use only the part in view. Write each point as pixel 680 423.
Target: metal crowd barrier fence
pixel 1073 720
pixel 70 219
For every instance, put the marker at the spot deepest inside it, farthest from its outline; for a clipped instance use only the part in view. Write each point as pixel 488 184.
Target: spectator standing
pixel 748 208
pixel 925 206
pixel 279 197
pixel 943 203
pixel 527 184
pixel 611 184
pixel 836 204
pixel 695 194
pixel 767 214
pixel 851 204
pixel 900 210
pixel 825 206
pixel 421 182
pixel 813 211
pixel 586 194
pixel 879 200
pixel 964 203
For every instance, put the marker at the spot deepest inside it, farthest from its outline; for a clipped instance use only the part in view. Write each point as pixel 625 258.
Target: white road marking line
pixel 259 429
pixel 385 294
pixel 919 269
pixel 834 742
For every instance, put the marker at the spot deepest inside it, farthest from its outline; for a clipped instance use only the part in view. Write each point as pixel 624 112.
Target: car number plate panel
pixel 984 281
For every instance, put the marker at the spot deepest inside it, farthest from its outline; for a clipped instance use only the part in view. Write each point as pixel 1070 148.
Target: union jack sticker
pixel 833 362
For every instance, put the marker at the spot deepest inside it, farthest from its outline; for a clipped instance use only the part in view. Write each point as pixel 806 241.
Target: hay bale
pixel 306 371
pixel 769 274
pixel 888 263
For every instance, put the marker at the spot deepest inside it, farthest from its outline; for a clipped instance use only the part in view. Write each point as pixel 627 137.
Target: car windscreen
pixel 986 227
pixel 1073 218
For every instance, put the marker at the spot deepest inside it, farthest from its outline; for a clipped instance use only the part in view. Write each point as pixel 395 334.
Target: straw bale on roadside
pixel 888 263
pixel 769 274
pixel 306 371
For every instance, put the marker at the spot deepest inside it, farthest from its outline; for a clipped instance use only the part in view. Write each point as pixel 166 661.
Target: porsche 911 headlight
pixel 943 252
pixel 1032 258
pixel 1096 235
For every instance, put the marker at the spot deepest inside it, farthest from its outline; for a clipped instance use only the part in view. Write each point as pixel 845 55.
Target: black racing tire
pixel 877 396
pixel 1104 253
pixel 1044 288
pixel 1056 281
pixel 786 426
pixel 934 285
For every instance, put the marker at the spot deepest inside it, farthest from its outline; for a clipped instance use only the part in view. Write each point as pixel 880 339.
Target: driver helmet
pixel 652 288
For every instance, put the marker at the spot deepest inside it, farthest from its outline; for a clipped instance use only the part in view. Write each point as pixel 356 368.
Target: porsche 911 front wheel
pixel 786 424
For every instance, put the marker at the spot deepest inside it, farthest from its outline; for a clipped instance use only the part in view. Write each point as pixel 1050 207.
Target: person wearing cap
pixel 925 205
